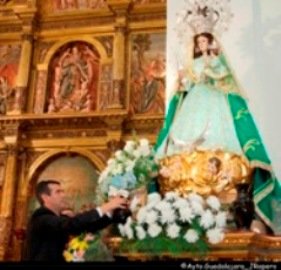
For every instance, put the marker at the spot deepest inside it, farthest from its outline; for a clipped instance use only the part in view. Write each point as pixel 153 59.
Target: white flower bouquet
pixel 174 224
pixel 130 168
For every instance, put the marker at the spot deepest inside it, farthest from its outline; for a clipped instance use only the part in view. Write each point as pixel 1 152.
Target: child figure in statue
pixel 208 113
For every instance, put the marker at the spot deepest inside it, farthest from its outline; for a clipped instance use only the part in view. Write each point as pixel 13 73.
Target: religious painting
pixel 148 71
pixel 78 177
pixel 73 78
pixel 69 5
pixel 9 61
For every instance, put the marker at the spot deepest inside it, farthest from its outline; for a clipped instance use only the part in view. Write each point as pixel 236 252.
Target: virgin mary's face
pixel 202 43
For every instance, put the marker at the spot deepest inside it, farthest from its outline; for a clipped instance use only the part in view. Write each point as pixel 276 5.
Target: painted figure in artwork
pixel 9 59
pixel 74 71
pixel 152 97
pixel 74 77
pixel 148 75
pixel 208 119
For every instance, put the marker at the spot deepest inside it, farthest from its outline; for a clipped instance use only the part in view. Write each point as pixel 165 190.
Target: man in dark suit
pixel 48 231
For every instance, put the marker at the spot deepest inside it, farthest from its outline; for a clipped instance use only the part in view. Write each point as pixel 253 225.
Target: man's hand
pixel 114 203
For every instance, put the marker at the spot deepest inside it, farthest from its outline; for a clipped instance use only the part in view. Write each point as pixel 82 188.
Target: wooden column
pixel 8 192
pixel 120 9
pixel 119 50
pixel 26 13
pixel 22 77
pixel 21 207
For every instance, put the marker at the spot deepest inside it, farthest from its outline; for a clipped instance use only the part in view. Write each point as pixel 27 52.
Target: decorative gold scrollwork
pixel 204 172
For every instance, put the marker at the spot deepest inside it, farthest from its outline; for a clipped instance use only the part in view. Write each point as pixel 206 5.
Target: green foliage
pixel 98 251
pixel 163 244
pixel 144 170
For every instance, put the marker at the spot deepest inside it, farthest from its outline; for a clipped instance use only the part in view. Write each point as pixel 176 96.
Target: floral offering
pixel 130 168
pixel 175 224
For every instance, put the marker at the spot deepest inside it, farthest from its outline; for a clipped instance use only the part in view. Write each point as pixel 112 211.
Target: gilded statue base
pixel 236 246
pixel 204 172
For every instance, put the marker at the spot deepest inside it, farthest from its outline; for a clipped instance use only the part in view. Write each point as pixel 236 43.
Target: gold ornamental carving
pixel 45 134
pixel 12 149
pixel 119 7
pixel 10 132
pixel 237 246
pixel 103 154
pixel 204 172
pixel 8 191
pixel 113 145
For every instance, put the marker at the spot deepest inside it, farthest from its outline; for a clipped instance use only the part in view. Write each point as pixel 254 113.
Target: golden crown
pixel 212 16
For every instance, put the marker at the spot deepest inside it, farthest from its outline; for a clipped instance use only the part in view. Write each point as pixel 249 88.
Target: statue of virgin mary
pixel 209 142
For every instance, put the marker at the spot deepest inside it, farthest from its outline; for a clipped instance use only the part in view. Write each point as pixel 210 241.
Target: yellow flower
pixel 77 248
pixel 76 243
pixel 68 256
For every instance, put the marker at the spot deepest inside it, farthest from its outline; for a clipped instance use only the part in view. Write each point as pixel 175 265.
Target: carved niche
pixel 73 78
pixel 77 174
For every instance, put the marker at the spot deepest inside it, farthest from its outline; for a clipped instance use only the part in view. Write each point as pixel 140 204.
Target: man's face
pixel 56 201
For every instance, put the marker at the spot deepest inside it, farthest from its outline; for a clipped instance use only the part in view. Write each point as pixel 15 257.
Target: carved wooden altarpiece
pixel 65 92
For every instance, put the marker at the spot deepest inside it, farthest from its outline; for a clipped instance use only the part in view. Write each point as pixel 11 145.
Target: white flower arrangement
pixel 174 224
pixel 132 167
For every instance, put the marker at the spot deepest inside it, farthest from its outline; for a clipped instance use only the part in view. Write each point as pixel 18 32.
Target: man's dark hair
pixel 43 188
